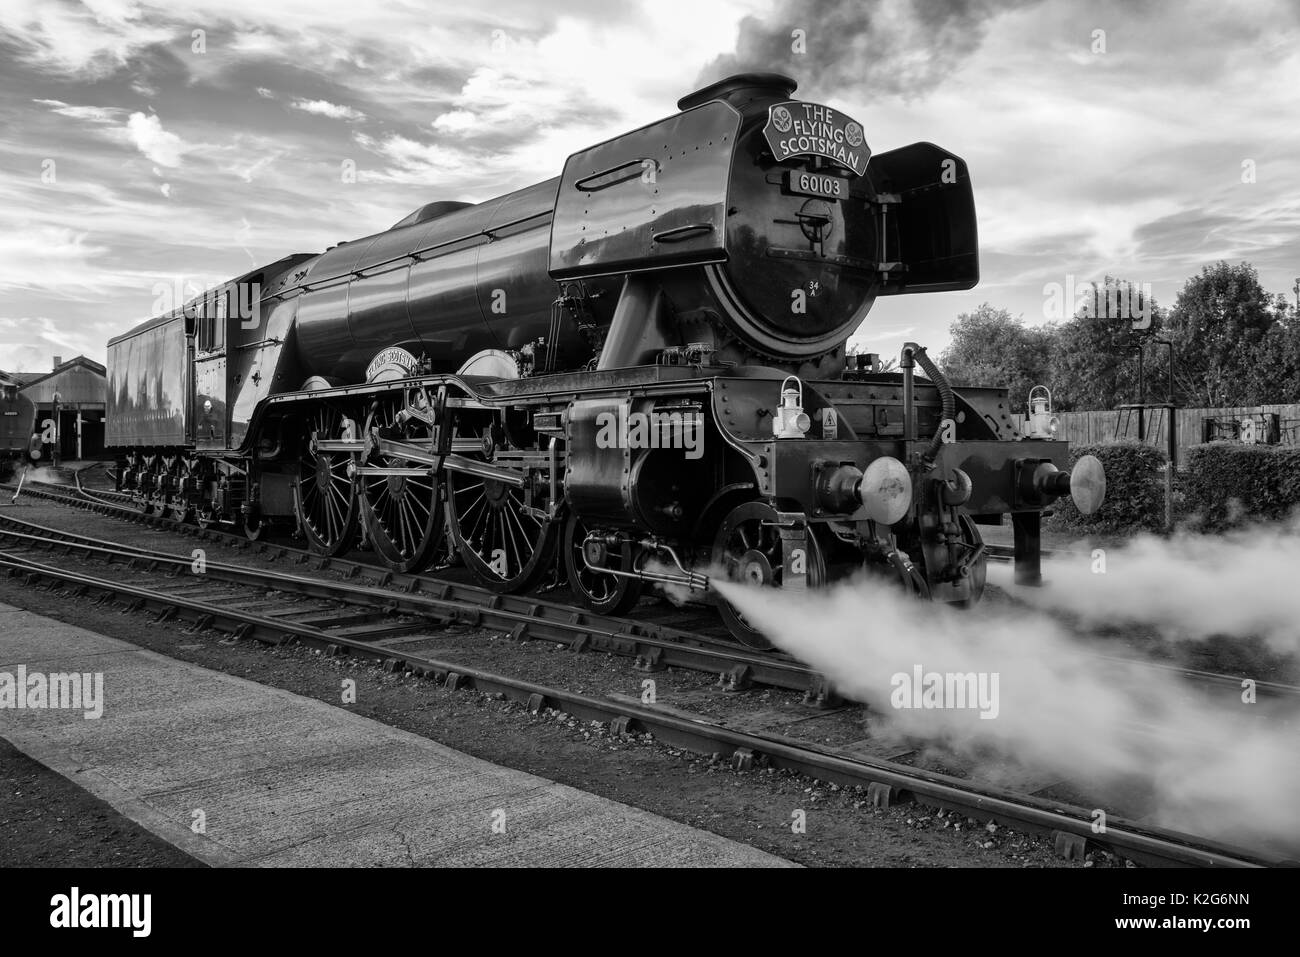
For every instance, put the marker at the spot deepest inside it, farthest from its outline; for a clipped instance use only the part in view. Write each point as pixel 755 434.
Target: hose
pixel 945 393
pixel 910 575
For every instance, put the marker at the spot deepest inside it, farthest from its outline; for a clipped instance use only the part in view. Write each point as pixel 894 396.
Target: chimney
pixel 740 89
pixel 58 361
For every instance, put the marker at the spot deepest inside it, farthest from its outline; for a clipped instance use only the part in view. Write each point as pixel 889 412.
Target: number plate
pixel 821 185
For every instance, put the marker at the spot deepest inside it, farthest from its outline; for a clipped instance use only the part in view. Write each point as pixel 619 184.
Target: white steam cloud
pixel 1188 587
pixel 42 473
pixel 1105 726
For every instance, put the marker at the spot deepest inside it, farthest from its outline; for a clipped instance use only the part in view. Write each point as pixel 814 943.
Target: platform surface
pixel 277 779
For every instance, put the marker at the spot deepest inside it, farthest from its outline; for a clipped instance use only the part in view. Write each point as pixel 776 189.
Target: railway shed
pixel 79 389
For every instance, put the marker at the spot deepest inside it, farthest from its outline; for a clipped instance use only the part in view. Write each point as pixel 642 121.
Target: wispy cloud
pixel 326 108
pixel 144 131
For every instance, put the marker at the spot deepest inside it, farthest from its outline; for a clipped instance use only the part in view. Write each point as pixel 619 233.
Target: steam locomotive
pixel 640 365
pixel 17 423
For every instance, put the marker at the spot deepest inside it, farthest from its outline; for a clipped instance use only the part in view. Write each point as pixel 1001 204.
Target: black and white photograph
pixel 638 438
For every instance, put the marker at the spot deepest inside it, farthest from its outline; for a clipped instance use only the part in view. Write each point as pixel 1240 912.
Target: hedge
pixel 1228 484
pixel 1135 491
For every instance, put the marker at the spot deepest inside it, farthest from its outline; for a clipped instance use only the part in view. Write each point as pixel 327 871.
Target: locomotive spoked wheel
pixel 749 549
pixel 178 505
pixel 507 548
pixel 147 499
pixel 403 513
pixel 606 594
pixel 325 495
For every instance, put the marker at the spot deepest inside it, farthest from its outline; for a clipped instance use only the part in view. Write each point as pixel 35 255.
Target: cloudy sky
pixel 149 147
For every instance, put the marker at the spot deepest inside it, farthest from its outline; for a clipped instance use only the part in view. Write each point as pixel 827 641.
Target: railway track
pixel 652 643
pixel 372 622
pixel 652 638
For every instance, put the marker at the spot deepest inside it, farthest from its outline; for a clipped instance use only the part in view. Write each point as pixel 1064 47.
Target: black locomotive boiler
pixel 640 365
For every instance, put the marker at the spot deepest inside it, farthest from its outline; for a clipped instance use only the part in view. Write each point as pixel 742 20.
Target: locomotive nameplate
pixel 821 185
pixel 393 363
pixel 809 129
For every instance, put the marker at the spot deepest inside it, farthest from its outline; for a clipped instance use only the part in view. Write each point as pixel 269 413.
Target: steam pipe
pixel 907 364
pixel 913 352
pixel 909 573
pixel 688 579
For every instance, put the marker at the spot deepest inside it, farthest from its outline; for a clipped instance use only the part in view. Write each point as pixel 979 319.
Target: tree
pixel 1094 356
pixel 991 348
pixel 1220 326
pixel 1273 375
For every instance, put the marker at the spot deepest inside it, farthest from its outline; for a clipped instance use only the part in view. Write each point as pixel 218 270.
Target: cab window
pixel 219 333
pixel 212 323
pixel 204 326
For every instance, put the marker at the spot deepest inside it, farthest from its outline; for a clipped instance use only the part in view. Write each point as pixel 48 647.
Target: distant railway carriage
pixel 17 423
pixel 639 365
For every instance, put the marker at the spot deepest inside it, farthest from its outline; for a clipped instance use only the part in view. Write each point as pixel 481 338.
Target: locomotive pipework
pixel 640 360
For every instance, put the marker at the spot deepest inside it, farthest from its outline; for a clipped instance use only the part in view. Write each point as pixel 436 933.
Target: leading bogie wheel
pixel 583 555
pixel 748 550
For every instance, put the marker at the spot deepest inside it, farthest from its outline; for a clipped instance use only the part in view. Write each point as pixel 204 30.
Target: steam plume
pixel 1210 768
pixel 1188 587
pixel 888 46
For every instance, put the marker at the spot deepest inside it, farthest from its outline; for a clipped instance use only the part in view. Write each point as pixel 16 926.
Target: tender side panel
pixel 146 387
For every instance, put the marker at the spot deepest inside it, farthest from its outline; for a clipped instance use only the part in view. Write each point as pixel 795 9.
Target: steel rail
pixel 522 617
pixel 655 645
